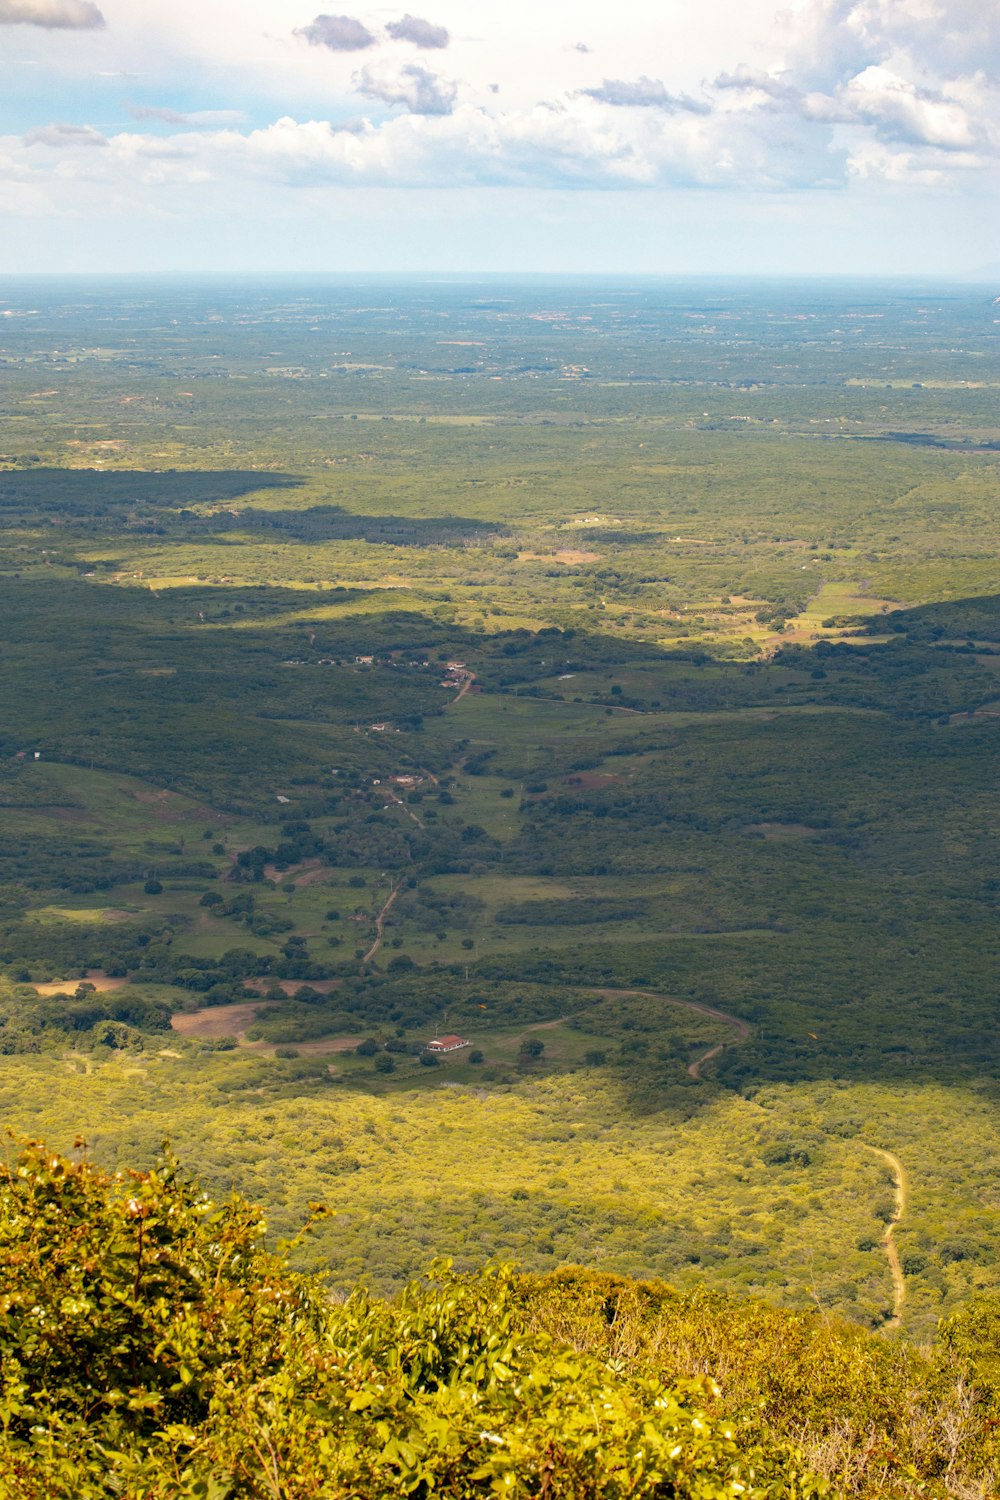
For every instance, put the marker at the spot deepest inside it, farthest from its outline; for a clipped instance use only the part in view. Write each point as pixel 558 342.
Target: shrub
pixel 152 1348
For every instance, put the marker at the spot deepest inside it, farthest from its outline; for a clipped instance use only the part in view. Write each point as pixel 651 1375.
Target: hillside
pixel 151 1346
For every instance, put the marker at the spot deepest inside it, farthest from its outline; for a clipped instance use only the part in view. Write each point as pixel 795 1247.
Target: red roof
pixel 448 1041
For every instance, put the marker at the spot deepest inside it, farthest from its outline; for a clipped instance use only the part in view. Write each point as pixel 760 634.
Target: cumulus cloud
pixel 420 33
pixel 857 92
pixel 896 73
pixel 576 144
pixel 59 136
pixel 339 33
pixel 73 15
pixel 903 112
pixel 423 92
pixel 644 93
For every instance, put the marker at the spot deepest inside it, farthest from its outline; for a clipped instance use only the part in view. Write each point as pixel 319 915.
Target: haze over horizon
pixel 831 137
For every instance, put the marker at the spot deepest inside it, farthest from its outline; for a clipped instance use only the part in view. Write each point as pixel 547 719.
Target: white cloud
pixel 850 91
pixel 421 91
pixel 901 111
pixel 22 200
pixel 60 136
pixel 578 143
pixel 901 72
pixel 76 15
pixel 645 93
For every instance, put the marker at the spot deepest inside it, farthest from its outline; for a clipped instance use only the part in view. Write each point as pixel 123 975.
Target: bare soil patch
pixel 592 781
pixel 217 1020
pixel 96 977
pixel 569 556
pixel 780 832
pixel 321 1047
pixel 164 807
pixel 307 873
pixel 262 984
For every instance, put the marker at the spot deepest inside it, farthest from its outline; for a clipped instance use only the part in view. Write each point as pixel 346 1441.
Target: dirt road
pixel 390 795
pixel 380 924
pixel 742 1028
pixel 900 1184
pixel 888 1239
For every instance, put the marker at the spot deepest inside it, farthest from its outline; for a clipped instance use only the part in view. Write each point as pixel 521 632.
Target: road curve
pixel 742 1028
pixel 901 1187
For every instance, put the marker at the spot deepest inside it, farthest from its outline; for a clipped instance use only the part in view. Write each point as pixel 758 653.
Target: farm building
pixel 447 1044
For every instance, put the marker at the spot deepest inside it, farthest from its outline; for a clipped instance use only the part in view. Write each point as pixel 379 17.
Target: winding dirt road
pixel 900 1187
pixel 742 1028
pixel 900 1184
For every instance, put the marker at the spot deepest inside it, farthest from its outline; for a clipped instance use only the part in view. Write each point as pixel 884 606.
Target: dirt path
pixel 467 682
pixel 743 1031
pixel 400 803
pixel 380 924
pixel 888 1239
pixel 694 1068
pixel 742 1028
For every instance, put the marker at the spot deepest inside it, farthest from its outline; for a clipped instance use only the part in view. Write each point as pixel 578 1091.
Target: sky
pixel 673 137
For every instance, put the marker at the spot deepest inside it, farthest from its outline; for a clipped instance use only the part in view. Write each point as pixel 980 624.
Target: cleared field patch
pixel 836 599
pixel 569 556
pixel 85 914
pixel 100 981
pixel 487 800
pixel 214 1021
pixel 781 832
pixel 593 781
pixel 289 987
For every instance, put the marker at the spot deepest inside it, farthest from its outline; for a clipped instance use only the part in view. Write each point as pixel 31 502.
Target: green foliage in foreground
pixel 152 1347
